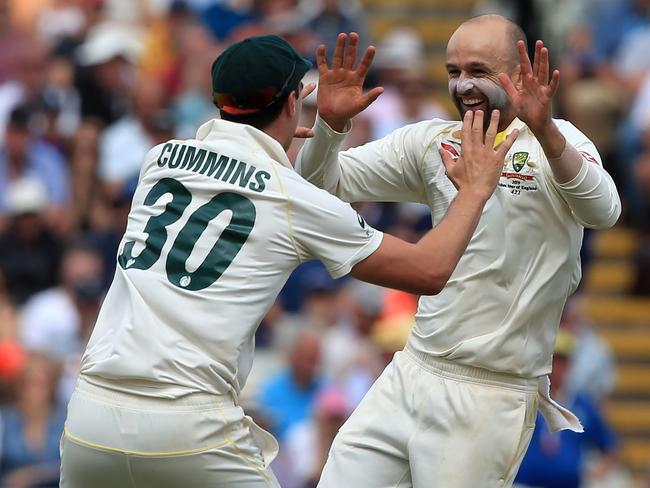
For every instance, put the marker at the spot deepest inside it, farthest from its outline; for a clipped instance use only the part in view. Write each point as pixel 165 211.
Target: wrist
pixel 337 124
pixel 551 140
pixel 474 196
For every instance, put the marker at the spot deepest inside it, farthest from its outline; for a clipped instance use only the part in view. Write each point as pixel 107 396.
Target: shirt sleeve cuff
pixel 320 123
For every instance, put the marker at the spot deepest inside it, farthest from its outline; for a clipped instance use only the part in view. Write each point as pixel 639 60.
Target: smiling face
pixel 476 53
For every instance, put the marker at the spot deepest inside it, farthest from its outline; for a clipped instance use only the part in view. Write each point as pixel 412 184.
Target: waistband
pixel 106 392
pixel 461 372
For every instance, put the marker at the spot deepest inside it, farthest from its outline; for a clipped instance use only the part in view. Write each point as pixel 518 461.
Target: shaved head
pixel 513 32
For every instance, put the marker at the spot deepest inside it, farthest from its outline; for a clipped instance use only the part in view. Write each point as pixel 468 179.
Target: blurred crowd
pixel 87 87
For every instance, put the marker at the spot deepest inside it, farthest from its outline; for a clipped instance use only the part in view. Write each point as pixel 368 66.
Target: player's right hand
pixel 479 167
pixel 340 87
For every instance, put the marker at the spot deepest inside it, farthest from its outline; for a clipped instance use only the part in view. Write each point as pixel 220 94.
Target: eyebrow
pixel 474 65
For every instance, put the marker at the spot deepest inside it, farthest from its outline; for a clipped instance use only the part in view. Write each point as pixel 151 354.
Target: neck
pixel 278 132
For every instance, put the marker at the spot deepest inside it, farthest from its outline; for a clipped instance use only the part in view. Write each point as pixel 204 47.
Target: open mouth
pixel 471 102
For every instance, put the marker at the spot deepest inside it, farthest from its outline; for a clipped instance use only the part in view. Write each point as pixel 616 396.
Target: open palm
pixel 532 101
pixel 340 87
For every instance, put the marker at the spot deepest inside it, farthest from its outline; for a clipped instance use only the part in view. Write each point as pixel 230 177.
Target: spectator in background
pixel 308 442
pixel 30 253
pixel 107 68
pixel 288 397
pixel 59 320
pixel 140 130
pixel 407 98
pixel 222 17
pixel 27 75
pixel 59 20
pixel 557 460
pixel 326 18
pixel 193 105
pixel 24 156
pixel 592 371
pixel 32 427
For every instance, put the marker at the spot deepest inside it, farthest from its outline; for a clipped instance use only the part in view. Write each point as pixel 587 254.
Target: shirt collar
pixel 501 136
pixel 215 129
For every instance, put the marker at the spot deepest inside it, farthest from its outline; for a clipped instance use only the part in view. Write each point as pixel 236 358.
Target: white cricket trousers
pixel 119 440
pixel 430 423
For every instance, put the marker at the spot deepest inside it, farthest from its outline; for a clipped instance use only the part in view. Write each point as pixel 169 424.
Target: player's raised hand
pixel 532 101
pixel 340 86
pixel 479 167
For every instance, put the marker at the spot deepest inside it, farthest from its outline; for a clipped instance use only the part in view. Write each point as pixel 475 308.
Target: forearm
pixel 564 159
pixel 425 267
pixel 592 196
pixel 443 246
pixel 583 184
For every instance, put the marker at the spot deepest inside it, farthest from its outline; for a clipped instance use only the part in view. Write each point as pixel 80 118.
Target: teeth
pixel 471 101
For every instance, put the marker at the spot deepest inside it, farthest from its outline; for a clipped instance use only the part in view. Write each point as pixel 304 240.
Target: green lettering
pixel 259 185
pixel 211 165
pixel 174 162
pixel 193 159
pixel 231 168
pixel 243 175
pixel 166 148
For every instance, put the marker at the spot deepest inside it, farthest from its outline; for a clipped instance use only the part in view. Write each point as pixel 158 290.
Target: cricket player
pixel 217 225
pixel 456 408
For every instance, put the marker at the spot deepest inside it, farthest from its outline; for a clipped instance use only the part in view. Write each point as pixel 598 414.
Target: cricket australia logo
pixel 519 160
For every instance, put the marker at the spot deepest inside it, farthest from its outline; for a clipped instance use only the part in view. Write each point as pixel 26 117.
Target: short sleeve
pixel 328 229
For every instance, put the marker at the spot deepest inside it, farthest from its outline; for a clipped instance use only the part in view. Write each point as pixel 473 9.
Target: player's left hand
pixel 340 87
pixel 532 101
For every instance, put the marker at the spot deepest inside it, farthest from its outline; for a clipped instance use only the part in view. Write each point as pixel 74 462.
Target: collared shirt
pixel 217 225
pixel 501 307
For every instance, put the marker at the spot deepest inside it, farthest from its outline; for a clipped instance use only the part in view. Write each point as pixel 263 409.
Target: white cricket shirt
pixel 216 226
pixel 501 308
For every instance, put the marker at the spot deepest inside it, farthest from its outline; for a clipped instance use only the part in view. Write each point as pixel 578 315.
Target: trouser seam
pixel 399 481
pixel 229 440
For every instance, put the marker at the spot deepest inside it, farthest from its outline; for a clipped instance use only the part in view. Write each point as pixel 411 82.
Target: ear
pixel 516 76
pixel 291 105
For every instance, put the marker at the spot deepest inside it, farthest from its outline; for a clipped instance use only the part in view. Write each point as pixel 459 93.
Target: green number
pixel 156 228
pixel 223 252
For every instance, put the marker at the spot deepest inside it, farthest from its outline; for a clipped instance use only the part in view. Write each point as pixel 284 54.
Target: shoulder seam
pixel 289 222
pixel 428 147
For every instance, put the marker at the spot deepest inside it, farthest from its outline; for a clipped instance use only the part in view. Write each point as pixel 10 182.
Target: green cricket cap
pixel 252 74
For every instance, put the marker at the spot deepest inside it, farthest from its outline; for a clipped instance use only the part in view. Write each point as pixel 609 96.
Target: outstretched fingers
pixel 321 59
pixel 450 165
pixel 524 60
pixel 366 62
pixel 491 133
pixel 351 52
pixel 477 129
pixel 371 96
pixel 307 89
pixel 337 59
pixel 555 82
pixel 537 58
pixel 466 130
pixel 507 144
pixel 509 87
pixel 542 74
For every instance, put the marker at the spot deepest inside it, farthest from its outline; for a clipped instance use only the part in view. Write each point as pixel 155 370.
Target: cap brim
pixel 302 66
